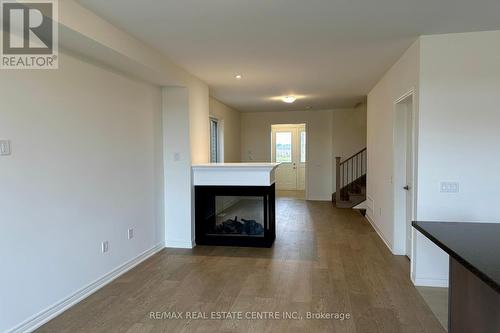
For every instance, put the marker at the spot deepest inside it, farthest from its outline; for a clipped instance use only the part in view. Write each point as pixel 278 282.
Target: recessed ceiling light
pixel 238 77
pixel 288 99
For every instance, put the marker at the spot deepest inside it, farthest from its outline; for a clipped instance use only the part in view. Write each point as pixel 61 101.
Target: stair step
pixel 344 204
pixel 351 202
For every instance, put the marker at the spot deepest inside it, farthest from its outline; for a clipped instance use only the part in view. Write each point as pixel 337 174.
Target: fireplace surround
pixel 235 204
pixel 235 215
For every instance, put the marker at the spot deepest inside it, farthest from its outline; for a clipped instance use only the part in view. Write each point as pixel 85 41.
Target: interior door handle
pixel 406 187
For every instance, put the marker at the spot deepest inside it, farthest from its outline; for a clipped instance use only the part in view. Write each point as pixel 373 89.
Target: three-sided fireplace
pixel 235 215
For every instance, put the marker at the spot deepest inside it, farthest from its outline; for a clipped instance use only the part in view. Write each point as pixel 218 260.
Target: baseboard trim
pixel 432 282
pixel 379 233
pixel 180 244
pixel 53 311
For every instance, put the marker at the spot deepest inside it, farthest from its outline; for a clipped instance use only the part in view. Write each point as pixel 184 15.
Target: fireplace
pixel 235 215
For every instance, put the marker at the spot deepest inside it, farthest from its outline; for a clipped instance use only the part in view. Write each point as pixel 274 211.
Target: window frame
pixel 214 125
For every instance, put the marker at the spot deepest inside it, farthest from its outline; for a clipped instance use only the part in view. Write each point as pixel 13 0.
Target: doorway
pixel 289 148
pixel 404 173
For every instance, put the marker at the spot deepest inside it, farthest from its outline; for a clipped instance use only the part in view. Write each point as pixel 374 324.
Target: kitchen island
pixel 474 275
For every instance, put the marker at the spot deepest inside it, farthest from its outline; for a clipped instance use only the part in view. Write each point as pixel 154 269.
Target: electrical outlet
pixel 449 187
pixel 5 147
pixel 105 246
pixel 130 233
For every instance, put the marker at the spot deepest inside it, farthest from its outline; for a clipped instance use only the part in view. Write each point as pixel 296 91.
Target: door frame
pixel 399 195
pixel 297 125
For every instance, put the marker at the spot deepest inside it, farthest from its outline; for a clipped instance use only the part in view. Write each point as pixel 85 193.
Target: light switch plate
pixel 449 187
pixel 5 147
pixel 105 246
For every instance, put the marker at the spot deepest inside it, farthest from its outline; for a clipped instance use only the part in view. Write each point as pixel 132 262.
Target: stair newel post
pixel 337 178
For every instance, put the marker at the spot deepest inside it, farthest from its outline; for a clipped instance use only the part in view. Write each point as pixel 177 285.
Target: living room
pixel 357 140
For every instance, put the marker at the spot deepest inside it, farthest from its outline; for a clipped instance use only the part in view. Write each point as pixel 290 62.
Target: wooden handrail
pixel 350 158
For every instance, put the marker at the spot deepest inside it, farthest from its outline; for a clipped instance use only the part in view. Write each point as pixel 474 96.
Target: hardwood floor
pixel 291 194
pixel 324 260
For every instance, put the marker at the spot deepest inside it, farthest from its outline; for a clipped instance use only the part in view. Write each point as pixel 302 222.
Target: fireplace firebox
pixel 235 215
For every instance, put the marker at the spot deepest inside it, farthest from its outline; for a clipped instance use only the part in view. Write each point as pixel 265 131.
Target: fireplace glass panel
pixel 238 216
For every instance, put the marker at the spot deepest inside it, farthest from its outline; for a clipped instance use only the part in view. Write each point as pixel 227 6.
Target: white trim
pixel 237 166
pixel 430 282
pixel 379 233
pixel 407 94
pixel 234 174
pixel 370 204
pixel 54 310
pixel 180 244
pixel 361 205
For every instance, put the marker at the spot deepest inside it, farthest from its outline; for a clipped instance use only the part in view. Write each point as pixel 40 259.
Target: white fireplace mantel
pixel 234 174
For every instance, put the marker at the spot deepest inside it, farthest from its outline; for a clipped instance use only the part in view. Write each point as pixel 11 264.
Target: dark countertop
pixel 474 245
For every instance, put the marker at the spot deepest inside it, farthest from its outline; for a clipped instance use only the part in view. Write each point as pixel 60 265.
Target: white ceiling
pixel 331 52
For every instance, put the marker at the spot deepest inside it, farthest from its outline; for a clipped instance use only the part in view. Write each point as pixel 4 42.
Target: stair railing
pixel 349 170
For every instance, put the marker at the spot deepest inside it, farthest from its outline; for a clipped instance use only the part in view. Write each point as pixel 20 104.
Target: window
pixel 214 141
pixel 284 147
pixel 302 147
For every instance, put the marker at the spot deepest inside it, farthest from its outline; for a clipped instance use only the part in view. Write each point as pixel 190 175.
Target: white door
pixel 409 176
pixel 403 175
pixel 288 148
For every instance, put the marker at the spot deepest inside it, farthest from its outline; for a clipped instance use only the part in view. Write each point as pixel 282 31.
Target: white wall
pixel 456 79
pixel 231 121
pixel 348 133
pixel 85 33
pixel 256 141
pixel 400 79
pixel 256 144
pixel 460 114
pixel 459 118
pixel 177 161
pixel 199 130
pixel 86 165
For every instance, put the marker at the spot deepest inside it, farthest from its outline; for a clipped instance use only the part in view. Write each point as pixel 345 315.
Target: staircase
pixel 350 175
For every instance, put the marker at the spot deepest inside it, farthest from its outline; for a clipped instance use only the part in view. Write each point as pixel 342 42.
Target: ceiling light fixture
pixel 288 99
pixel 238 77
